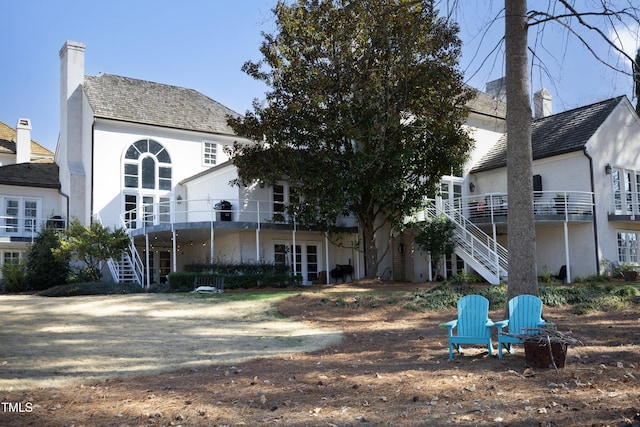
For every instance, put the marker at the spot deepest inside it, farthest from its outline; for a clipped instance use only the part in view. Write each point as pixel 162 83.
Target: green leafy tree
pixel 45 269
pixel 92 245
pixel 436 237
pixel 364 112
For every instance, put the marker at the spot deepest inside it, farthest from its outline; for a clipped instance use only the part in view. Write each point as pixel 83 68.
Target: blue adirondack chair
pixel 525 311
pixel 473 324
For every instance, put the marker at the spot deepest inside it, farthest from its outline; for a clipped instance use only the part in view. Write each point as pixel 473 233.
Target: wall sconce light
pixel 261 184
pixel 179 199
pixel 607 169
pixel 472 187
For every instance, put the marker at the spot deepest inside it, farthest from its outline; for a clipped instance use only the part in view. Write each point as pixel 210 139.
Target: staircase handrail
pixel 111 263
pixel 478 237
pixel 478 245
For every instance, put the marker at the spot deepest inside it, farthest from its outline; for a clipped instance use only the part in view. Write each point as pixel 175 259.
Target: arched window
pixel 147 165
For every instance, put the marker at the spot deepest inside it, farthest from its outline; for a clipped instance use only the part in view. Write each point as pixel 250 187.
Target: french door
pixel 451 191
pixel 303 259
pixel 146 209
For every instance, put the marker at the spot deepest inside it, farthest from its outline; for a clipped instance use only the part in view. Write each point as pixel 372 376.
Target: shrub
pixel 92 288
pixel 236 276
pixel 13 275
pixel 183 281
pixel 44 268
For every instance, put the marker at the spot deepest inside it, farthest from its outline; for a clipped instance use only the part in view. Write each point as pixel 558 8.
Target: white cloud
pixel 626 38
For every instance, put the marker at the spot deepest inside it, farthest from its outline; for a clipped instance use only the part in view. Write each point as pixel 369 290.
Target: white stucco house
pixel 586 195
pixel 149 157
pixel 29 190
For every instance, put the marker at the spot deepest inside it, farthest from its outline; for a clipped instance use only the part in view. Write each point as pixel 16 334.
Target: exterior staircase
pixel 129 268
pixel 126 271
pixel 479 250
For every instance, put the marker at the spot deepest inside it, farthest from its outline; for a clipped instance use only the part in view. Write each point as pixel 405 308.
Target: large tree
pixel 521 238
pixel 364 113
pixel 576 17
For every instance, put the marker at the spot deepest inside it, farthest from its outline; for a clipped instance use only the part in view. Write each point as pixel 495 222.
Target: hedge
pixel 238 277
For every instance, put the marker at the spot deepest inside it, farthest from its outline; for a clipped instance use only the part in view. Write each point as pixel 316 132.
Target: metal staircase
pixel 479 250
pixel 129 268
pixel 126 269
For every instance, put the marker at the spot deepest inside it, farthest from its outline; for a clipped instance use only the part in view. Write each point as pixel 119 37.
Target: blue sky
pixel 202 44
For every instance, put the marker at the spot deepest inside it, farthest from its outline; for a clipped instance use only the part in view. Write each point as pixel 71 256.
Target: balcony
pixel 26 229
pixel 566 206
pixel 624 206
pixel 203 213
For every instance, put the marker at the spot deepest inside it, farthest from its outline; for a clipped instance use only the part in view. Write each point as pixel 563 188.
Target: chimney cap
pixel 24 124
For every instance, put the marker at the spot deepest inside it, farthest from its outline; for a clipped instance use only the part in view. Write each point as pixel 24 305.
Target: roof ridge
pixel 102 74
pixel 583 107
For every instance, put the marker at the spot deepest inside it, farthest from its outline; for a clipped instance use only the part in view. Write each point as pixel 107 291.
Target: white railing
pixel 118 268
pixel 28 227
pixel 211 210
pixel 485 255
pixel 563 205
pixel 627 203
pixel 478 244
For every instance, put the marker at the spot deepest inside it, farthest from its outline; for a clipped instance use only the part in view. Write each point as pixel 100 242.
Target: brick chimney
pixel 23 141
pixel 542 104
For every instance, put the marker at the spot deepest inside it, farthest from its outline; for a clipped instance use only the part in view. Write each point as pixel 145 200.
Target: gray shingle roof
pixel 42 175
pixel 557 134
pixel 140 101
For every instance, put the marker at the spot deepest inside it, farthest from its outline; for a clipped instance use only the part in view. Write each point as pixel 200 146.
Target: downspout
pixel 66 196
pixel 93 129
pixel 595 222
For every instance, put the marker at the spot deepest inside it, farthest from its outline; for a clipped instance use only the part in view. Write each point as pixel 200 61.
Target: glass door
pixel 451 192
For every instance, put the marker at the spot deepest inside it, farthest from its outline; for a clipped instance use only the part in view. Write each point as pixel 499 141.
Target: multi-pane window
pixel 209 152
pixel 20 215
pixel 628 246
pixel 278 198
pixel 283 195
pixel 626 191
pixel 11 211
pixel 11 257
pixel 147 165
pixel 30 215
pixel 312 262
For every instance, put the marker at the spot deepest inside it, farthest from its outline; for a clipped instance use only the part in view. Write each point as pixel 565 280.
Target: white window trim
pixel 21 228
pixel 206 143
pixel 627 248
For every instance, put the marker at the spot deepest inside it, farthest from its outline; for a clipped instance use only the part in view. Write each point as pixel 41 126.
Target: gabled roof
pixel 42 175
pixel 554 135
pixel 8 143
pixel 139 101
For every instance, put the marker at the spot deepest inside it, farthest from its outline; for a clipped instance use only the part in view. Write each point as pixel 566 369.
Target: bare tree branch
pixel 537 17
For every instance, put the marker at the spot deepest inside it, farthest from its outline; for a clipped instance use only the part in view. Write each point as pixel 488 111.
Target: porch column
pixel 567 259
pixel 211 252
pixel 146 245
pixel 258 232
pixel 295 264
pixel 326 256
pixel 174 248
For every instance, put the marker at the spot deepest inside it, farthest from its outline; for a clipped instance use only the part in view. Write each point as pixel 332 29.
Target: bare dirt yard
pixel 390 367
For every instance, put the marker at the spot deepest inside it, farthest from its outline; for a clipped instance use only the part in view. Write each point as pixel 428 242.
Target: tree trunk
pixel 521 228
pixel 371 249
